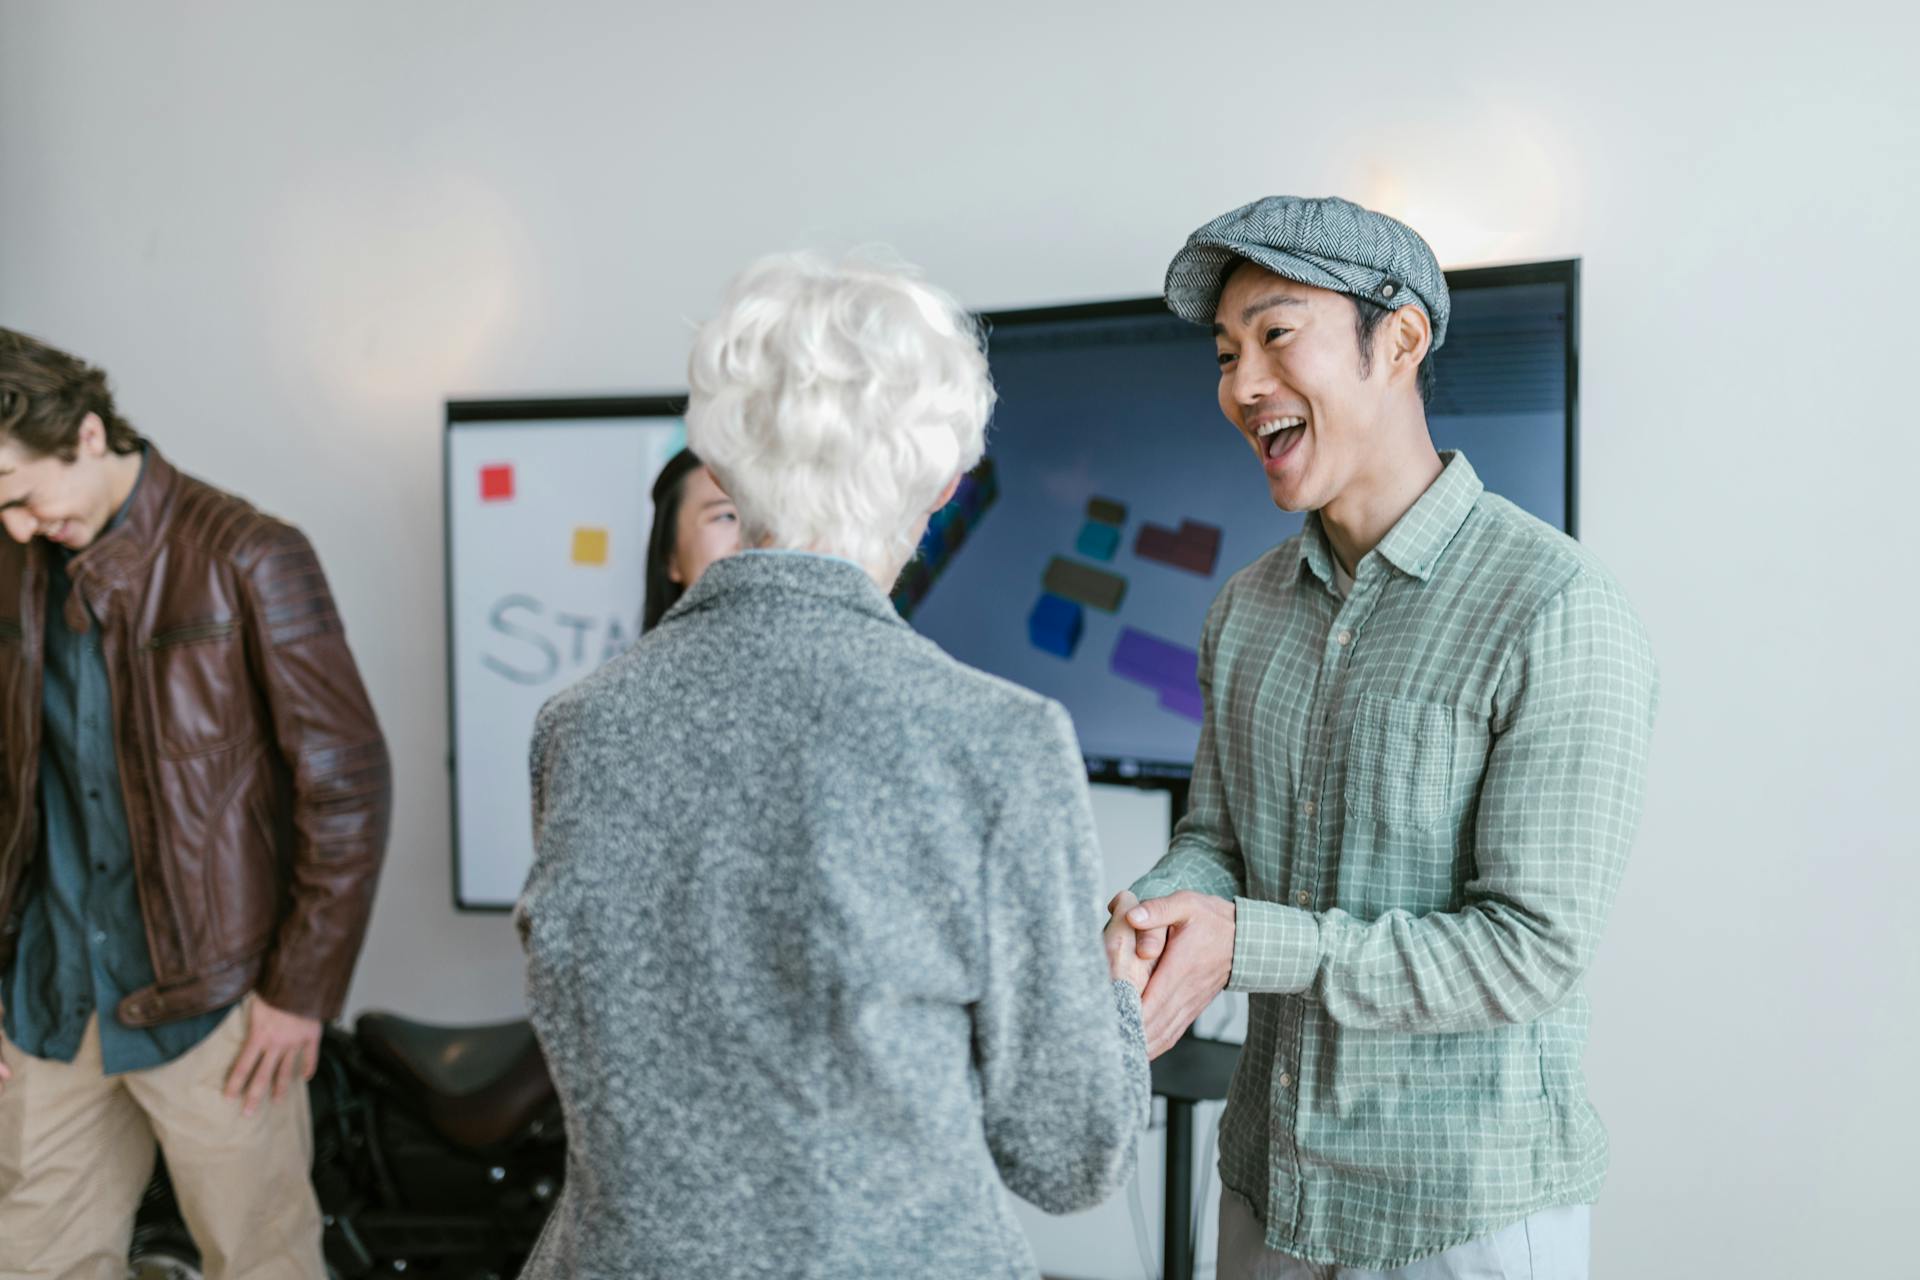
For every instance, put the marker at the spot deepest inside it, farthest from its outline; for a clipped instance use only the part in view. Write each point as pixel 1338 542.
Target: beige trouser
pixel 76 1150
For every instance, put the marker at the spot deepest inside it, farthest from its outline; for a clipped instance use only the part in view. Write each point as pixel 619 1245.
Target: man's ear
pixel 1409 338
pixel 93 436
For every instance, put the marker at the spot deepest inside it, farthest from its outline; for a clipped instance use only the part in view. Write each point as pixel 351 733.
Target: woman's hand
pixel 1125 958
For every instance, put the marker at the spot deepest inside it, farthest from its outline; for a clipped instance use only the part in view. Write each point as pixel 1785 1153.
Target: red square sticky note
pixel 496 483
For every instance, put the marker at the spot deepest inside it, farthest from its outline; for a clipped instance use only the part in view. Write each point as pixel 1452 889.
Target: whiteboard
pixel 547 525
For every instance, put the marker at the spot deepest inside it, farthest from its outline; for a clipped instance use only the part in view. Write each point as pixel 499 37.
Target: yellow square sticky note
pixel 589 545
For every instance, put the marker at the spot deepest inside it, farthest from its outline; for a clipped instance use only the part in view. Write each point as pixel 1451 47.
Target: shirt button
pixel 1302 897
pixel 1286 1080
pixel 1307 808
pixel 1346 637
pixel 99 937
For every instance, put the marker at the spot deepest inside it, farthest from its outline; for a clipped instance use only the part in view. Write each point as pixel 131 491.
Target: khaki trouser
pixel 76 1150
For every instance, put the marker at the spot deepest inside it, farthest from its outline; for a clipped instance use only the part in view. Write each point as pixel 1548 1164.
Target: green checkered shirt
pixel 1421 799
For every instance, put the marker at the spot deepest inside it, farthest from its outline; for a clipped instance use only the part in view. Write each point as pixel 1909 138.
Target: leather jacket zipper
pixel 13 851
pixel 188 635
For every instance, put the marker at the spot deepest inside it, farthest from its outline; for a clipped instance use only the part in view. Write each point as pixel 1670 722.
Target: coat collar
pixel 772 574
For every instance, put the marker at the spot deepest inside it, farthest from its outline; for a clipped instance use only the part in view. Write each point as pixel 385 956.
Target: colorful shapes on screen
pixel 1055 625
pixel 1095 588
pixel 1097 541
pixel 1170 670
pixel 1194 547
pixel 946 531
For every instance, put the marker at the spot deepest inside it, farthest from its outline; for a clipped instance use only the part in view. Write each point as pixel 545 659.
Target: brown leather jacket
pixel 255 777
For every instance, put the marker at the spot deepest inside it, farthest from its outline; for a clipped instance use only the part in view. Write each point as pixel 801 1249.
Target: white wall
pixel 292 231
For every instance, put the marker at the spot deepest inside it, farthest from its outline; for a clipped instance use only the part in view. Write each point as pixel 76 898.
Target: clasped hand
pixel 1178 950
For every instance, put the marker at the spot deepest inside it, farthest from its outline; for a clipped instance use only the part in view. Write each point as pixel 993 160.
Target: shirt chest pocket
pixel 1400 763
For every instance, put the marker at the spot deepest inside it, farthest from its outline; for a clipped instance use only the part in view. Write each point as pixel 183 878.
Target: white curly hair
pixel 834 403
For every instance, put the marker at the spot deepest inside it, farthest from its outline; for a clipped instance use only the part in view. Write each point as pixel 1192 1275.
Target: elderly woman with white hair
pixel 814 952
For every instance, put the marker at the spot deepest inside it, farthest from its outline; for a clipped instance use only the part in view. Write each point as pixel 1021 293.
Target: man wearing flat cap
pixel 1419 775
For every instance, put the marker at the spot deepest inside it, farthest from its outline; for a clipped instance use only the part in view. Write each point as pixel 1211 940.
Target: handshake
pixel 1177 951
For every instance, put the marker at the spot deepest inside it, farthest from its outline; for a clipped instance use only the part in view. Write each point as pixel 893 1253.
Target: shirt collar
pixel 1418 539
pixel 1315 553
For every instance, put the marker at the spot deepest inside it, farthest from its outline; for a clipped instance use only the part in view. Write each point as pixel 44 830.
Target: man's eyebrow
pixel 1255 307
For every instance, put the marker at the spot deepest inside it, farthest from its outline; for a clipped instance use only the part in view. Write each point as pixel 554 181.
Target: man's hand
pixel 1195 964
pixel 1125 959
pixel 280 1046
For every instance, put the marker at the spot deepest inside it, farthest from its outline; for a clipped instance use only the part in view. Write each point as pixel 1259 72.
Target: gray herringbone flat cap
pixel 1328 242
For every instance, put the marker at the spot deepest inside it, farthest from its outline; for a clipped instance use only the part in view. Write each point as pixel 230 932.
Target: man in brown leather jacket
pixel 194 796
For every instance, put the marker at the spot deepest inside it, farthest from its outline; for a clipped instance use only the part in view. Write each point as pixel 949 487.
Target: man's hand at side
pixel 280 1047
pixel 1194 966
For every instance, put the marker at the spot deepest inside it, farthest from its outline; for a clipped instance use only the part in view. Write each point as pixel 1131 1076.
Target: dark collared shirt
pixel 83 944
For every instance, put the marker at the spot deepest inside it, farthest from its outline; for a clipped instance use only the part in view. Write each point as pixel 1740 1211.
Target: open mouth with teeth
pixel 1277 438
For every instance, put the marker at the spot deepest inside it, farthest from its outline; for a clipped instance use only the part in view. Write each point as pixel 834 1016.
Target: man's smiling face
pixel 1290 380
pixel 68 503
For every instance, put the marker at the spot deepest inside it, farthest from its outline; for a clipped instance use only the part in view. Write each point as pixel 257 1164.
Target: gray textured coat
pixel 813 952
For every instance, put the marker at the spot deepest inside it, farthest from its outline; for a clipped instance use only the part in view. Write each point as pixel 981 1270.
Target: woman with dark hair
pixel 694 524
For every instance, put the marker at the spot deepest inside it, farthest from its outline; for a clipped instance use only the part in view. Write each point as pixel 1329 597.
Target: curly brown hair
pixel 45 394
